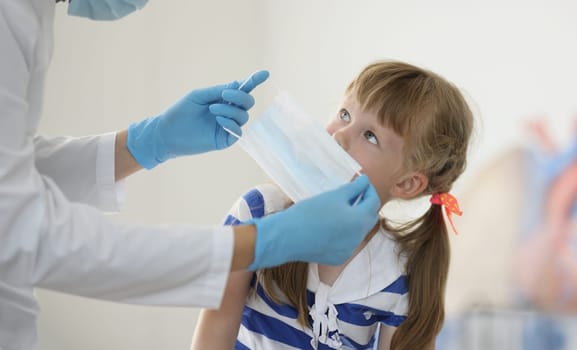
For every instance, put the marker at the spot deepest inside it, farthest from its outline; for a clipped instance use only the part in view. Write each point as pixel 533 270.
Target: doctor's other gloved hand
pixel 324 229
pixel 195 124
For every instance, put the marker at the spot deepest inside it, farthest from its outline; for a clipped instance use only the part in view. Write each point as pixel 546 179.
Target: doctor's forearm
pixel 244 245
pixel 124 162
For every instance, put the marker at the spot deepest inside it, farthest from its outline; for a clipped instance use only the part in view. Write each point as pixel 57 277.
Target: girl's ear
pixel 410 186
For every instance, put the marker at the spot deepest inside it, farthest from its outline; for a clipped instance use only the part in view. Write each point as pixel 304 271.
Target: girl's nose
pixel 340 137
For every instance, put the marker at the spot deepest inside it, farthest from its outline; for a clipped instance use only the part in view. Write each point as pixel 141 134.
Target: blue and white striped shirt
pixel 372 289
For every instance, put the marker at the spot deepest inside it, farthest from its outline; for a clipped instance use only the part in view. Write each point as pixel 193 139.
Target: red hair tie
pixel 451 206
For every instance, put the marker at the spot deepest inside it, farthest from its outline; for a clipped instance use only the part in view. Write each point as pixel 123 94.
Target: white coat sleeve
pixel 82 167
pixel 47 241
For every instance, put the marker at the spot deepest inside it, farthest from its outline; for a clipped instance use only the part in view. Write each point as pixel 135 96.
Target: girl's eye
pixel 371 137
pixel 344 115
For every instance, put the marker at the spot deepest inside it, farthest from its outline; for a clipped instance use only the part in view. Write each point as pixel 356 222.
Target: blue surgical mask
pixel 104 10
pixel 296 151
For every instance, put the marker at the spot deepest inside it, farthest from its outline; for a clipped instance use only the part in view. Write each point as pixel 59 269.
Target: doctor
pixel 52 191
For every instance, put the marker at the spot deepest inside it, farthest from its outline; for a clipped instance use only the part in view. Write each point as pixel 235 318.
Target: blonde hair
pixel 436 123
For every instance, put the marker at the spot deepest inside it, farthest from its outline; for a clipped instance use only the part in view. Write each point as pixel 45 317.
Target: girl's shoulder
pixel 259 201
pixel 380 265
pixel 385 238
pixel 273 198
pixel 388 239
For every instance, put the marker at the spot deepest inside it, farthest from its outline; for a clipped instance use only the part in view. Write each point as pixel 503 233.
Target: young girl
pixel 409 130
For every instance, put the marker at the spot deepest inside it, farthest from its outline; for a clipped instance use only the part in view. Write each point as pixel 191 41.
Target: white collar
pixel 374 268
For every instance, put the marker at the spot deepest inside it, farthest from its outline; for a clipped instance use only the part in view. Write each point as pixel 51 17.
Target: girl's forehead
pixel 378 112
pixel 353 105
pixel 349 98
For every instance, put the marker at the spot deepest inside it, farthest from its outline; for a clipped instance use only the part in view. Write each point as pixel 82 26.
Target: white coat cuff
pixel 111 192
pixel 223 249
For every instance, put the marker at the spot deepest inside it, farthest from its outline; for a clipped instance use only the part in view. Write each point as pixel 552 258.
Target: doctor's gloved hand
pixel 324 229
pixel 195 124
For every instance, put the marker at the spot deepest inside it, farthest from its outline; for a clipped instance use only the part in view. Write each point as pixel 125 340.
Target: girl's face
pixel 376 148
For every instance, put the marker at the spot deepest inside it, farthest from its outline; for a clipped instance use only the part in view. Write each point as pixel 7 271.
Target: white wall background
pixel 515 59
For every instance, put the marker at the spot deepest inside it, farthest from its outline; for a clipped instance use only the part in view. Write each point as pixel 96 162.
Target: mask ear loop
pixel 239 88
pixel 360 197
pixel 230 132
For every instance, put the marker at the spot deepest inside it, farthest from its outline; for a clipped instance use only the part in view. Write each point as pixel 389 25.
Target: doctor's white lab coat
pixel 52 233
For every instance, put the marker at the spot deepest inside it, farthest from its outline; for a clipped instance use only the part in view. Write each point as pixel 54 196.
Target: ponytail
pixel 425 242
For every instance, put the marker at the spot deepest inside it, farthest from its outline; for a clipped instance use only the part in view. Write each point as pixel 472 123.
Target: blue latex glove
pixel 194 124
pixel 325 229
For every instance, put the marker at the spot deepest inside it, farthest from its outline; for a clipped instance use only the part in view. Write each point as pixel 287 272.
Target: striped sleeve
pixel 260 201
